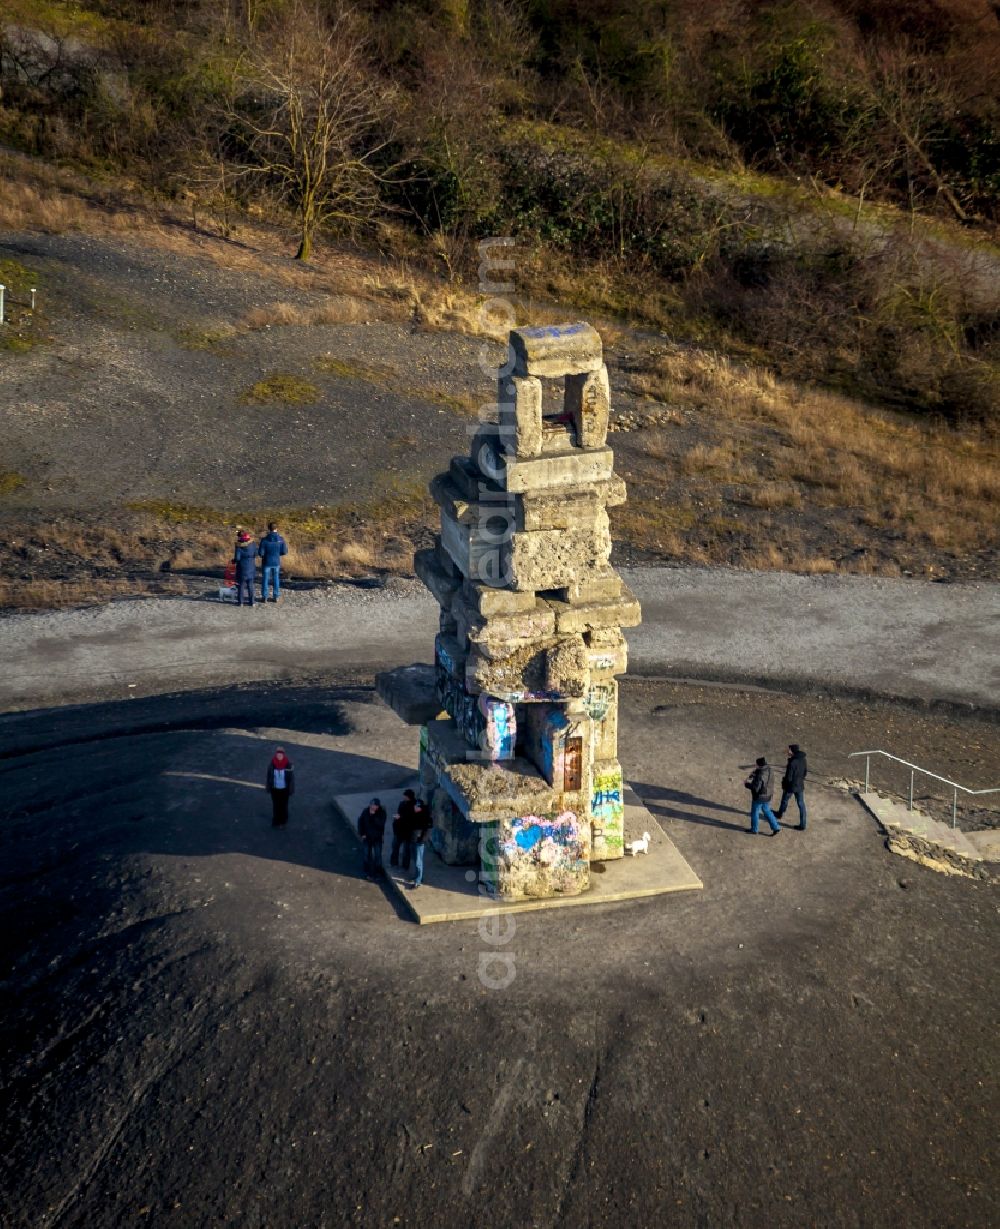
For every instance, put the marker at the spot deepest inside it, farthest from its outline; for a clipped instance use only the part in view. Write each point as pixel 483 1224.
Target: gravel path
pixel 907 639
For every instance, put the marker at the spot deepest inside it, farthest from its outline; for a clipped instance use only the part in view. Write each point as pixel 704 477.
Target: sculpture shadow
pixel 659 799
pixel 231 809
pixel 189 794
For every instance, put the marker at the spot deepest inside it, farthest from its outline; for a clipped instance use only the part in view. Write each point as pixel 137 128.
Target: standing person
pixel 793 784
pixel 371 829
pixel 272 547
pixel 760 783
pixel 420 825
pixel 245 558
pixel 281 786
pixel 400 828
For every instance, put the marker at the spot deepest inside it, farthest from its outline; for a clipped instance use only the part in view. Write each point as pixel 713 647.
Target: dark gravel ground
pixel 130 403
pixel 207 1022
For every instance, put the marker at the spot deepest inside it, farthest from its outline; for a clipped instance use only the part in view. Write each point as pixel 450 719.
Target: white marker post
pixel 2 289
pixel 33 293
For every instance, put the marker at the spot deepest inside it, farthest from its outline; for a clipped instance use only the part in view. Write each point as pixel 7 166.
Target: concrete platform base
pixel 451 893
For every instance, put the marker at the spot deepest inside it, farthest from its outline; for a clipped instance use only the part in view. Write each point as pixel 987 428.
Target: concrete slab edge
pixel 691 882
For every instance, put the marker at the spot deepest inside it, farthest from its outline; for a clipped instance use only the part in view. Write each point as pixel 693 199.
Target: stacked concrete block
pixel 530 639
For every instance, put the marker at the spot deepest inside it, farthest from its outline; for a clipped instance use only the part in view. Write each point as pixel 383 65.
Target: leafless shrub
pixel 337 309
pixel 311 121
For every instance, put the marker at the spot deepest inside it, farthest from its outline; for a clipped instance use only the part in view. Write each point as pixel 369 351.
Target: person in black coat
pixel 371 829
pixel 417 829
pixel 760 783
pixel 281 786
pixel 793 784
pixel 400 828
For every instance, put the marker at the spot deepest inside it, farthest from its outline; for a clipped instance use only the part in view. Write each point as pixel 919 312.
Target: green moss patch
pixel 283 389
pixel 178 514
pixel 215 339
pixel 18 278
pixel 347 370
pixel 10 480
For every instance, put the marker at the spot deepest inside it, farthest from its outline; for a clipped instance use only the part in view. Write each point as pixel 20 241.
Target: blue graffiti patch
pixel 552 330
pixel 528 838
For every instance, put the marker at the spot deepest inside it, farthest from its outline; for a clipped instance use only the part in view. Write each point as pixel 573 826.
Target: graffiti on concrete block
pixel 601 661
pixel 549 841
pixel 598 700
pixel 498 736
pixel 607 809
pixel 607 792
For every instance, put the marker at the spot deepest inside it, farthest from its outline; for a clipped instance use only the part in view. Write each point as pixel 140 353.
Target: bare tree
pixel 909 96
pixel 310 120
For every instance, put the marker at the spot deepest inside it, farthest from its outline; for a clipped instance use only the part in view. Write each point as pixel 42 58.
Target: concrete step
pixel 915 822
pixel 956 839
pixel 988 843
pixel 897 817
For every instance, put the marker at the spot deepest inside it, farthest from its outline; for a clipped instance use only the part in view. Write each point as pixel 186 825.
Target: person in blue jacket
pixel 272 547
pixel 245 558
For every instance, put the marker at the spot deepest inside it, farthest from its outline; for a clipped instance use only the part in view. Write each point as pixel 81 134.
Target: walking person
pixel 245 558
pixel 419 827
pixel 281 786
pixel 371 829
pixel 272 547
pixel 793 784
pixel 400 827
pixel 760 783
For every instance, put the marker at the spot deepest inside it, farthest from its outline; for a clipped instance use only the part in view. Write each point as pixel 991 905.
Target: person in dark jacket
pixel 245 558
pixel 281 786
pixel 272 547
pixel 793 784
pixel 760 783
pixel 400 827
pixel 371 829
pixel 418 827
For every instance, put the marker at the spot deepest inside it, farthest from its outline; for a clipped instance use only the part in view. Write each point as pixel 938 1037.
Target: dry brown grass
pixel 56 594
pixel 162 548
pixel 324 548
pixel 723 461
pixel 24 207
pixel 933 485
pixel 771 495
pixel 337 309
pixel 455 309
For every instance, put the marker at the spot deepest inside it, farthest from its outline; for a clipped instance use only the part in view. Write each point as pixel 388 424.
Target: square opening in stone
pixel 559 430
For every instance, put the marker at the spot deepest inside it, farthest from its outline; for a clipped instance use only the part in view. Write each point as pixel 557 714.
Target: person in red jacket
pixel 281 786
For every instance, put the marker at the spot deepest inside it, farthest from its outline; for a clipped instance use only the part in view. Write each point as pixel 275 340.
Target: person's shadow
pixel 668 803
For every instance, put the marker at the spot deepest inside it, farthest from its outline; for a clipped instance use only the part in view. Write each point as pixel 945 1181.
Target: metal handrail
pixel 915 768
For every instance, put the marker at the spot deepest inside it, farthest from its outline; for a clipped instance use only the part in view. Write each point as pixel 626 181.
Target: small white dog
pixel 637 847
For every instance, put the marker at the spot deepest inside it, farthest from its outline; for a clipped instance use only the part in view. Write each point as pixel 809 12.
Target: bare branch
pixel 311 117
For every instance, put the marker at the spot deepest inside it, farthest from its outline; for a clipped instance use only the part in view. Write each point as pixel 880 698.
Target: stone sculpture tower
pixel 522 768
